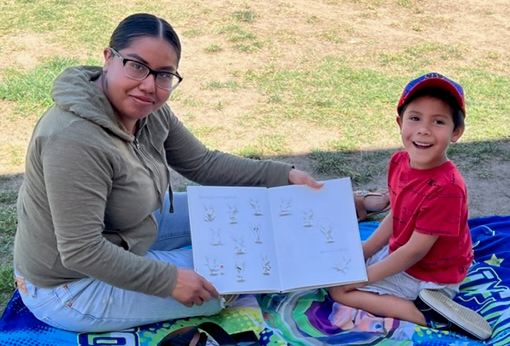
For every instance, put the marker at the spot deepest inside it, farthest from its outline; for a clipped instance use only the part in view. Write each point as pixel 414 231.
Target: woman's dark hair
pixel 144 24
pixel 457 114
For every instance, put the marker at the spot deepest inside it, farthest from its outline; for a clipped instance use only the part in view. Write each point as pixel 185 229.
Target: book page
pixel 317 236
pixel 233 246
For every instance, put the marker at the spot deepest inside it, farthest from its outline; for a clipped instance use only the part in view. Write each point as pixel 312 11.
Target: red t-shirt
pixel 431 201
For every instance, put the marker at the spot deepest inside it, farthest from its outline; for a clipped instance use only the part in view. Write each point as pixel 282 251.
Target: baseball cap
pixel 436 80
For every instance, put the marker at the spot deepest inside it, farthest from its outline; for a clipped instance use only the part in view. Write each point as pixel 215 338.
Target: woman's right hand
pixel 192 289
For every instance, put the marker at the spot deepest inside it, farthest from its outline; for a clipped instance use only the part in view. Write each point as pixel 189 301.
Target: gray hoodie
pixel 85 206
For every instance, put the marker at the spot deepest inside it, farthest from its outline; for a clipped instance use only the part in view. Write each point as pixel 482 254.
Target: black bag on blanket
pixel 195 336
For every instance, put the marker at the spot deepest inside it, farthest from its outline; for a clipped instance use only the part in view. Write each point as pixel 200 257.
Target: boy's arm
pixel 404 257
pixel 379 237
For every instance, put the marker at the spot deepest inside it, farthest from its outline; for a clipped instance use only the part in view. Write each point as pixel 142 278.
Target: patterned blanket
pixel 310 317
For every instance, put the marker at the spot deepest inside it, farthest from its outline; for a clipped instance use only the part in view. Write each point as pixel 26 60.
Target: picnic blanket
pixel 310 317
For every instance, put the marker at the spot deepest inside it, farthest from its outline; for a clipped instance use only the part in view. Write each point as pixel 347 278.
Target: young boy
pixel 422 249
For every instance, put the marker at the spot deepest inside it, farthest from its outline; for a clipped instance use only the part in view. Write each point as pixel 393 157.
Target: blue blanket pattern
pixel 310 317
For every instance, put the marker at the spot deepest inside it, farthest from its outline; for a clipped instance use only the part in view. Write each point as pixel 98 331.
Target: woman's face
pixel 136 99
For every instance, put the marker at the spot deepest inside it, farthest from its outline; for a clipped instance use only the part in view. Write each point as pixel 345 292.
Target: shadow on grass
pixel 368 166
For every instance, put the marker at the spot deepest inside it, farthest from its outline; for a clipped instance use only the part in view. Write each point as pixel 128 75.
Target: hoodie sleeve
pixel 188 156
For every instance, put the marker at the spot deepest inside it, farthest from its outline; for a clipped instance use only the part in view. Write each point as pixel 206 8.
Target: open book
pixel 257 239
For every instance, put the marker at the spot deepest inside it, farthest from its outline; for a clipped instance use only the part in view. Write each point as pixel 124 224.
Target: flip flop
pixel 363 208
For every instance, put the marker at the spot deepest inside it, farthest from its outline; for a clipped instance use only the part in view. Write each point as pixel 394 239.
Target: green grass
pixel 217 84
pixel 31 90
pixel 360 166
pixel 7 230
pixel 56 19
pixel 327 94
pixel 213 48
pixel 247 16
pixel 332 94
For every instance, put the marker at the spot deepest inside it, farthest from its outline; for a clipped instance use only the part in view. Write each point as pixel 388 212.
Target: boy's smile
pixel 426 128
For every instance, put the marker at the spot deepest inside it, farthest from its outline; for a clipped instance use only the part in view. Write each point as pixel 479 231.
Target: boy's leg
pixel 441 312
pixel 384 305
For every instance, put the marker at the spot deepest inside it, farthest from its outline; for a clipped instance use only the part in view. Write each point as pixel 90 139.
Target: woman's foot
pixel 370 203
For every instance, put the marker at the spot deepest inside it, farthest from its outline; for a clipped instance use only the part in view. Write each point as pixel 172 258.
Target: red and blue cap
pixel 435 80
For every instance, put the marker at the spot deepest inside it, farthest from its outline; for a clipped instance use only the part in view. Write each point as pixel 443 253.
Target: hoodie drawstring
pixel 171 197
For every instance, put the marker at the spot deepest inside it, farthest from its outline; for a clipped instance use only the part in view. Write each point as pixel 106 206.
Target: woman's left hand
pixel 299 177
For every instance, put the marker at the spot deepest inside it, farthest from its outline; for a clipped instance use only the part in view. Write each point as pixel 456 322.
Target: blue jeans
pixel 99 307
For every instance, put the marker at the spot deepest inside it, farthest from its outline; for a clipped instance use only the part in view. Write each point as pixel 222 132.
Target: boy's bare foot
pixel 370 203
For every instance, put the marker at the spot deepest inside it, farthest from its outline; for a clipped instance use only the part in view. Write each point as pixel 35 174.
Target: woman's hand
pixel 192 289
pixel 299 177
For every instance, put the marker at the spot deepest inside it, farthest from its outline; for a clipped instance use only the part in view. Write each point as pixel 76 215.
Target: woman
pixel 89 255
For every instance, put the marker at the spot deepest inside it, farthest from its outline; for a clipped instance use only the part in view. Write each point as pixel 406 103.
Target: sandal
pixel 371 203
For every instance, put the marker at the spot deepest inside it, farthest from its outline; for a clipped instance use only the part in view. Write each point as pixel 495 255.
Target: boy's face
pixel 426 128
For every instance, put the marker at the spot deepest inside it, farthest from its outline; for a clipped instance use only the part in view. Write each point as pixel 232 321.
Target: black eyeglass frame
pixel 149 71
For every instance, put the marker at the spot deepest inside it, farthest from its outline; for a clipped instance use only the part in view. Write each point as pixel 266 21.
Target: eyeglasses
pixel 138 71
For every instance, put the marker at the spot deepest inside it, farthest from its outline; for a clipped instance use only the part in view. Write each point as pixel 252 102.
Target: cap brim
pixel 440 83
